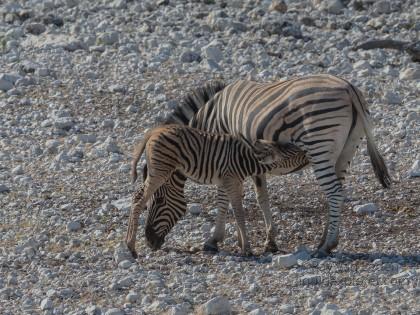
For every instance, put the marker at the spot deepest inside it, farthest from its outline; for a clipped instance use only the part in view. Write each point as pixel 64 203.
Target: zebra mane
pixel 192 102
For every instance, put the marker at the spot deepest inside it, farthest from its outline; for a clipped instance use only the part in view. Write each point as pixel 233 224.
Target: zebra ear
pixel 264 151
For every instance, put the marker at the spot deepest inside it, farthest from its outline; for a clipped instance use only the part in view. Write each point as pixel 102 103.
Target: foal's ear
pixel 264 145
pixel 264 150
pixel 144 172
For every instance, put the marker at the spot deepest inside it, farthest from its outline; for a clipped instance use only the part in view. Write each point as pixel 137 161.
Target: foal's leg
pixel 139 200
pixel 260 183
pixel 234 189
pixel 219 232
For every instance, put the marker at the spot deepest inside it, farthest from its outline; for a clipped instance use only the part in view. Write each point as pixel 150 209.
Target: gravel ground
pixel 81 80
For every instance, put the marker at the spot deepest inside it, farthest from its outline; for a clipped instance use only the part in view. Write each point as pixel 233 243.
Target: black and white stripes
pixel 223 160
pixel 325 116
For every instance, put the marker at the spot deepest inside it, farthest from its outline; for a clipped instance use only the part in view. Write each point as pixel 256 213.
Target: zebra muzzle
pixel 153 240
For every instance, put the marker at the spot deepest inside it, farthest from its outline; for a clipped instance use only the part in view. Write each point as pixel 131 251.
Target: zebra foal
pixel 206 158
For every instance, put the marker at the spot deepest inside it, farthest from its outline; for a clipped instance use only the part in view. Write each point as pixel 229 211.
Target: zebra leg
pixel 332 187
pixel 139 200
pixel 260 183
pixel 136 206
pixel 336 198
pixel 219 233
pixel 234 190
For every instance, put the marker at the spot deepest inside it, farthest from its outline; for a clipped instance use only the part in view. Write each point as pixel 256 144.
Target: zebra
pixel 324 115
pixel 223 160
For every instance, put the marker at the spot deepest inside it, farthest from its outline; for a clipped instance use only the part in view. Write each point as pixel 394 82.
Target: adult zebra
pixel 325 116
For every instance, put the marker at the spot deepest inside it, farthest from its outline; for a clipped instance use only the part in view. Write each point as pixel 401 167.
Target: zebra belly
pixel 288 170
pixel 200 178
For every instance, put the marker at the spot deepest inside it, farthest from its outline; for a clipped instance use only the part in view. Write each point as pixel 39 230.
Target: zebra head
pixel 264 151
pixel 164 209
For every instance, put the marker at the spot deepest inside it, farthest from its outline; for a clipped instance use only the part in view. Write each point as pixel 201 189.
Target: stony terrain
pixel 81 80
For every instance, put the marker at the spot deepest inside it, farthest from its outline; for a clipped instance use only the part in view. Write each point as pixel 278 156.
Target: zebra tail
pixel 137 153
pixel 378 163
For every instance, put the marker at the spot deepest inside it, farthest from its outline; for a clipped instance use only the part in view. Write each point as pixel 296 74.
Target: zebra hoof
pixel 134 254
pixel 132 250
pixel 210 248
pixel 320 253
pixel 271 247
pixel 247 253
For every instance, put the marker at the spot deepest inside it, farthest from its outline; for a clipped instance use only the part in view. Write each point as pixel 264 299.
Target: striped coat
pixel 325 116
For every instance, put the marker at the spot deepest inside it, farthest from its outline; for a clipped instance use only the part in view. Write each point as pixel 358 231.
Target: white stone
pixel 5 82
pixel 330 309
pixel 110 146
pixel 362 65
pixel 42 72
pixel 125 264
pixel 122 204
pixel 108 38
pixel 368 208
pixel 46 304
pixel 122 253
pixel 108 123
pixel 216 306
pixel 212 52
pixel 119 4
pixel 189 56
pixel 4 188
pixel 125 282
pixel 257 311
pixel 64 123
pixel 117 88
pixel 93 310
pixel 331 6
pixel 382 7
pixel 303 253
pixel 29 252
pixel 86 138
pixel 177 310
pixel 254 287
pixel 52 146
pixel 287 308
pixel 392 98
pixel 114 311
pixel 35 28
pixel 195 208
pixel 285 261
pixel 14 33
pixel 412 116
pixel 132 297
pixel 132 109
pixel 411 73
pixel 18 170
pixel 73 226
pixel 415 169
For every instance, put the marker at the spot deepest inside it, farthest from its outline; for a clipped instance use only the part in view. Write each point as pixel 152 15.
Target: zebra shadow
pixel 341 257
pixel 402 260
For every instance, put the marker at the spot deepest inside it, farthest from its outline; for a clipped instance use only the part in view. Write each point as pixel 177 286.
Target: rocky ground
pixel 81 80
